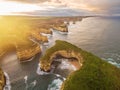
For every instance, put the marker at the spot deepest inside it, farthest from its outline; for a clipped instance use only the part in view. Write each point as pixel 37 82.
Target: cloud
pixel 28 1
pixel 94 6
pixel 58 12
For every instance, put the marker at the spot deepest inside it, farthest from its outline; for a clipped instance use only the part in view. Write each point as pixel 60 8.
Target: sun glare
pixel 13 30
pixel 7 8
pixel 89 8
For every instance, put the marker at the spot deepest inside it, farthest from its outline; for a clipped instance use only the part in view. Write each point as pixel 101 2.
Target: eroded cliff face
pixel 2 79
pixel 60 27
pixel 46 64
pixel 25 53
pixel 38 37
pixel 44 30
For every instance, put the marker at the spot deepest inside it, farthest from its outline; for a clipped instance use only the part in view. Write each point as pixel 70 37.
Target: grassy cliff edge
pixel 95 73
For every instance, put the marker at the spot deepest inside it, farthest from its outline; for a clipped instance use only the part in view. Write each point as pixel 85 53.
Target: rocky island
pixel 94 73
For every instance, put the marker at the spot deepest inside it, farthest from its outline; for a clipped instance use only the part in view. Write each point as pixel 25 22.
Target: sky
pixel 60 7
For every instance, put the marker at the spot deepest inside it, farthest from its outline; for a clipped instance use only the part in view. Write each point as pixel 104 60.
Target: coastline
pixel 71 42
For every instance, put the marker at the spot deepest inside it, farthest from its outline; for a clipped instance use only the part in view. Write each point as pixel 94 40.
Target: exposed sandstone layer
pixel 26 52
pixel 45 31
pixel 60 27
pixel 38 37
pixel 46 66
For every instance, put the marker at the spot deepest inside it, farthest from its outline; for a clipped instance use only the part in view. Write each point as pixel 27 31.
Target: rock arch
pixel 46 63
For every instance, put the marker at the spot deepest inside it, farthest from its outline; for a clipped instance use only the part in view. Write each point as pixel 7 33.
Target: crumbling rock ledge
pixel 62 53
pixel 25 53
pixel 62 27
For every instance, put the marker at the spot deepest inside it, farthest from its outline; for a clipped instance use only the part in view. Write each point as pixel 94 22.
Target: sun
pixel 7 7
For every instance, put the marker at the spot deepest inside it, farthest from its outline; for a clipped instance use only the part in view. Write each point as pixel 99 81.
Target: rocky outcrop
pixel 25 53
pixel 60 49
pixel 44 30
pixel 60 27
pixel 2 79
pixel 46 66
pixel 38 37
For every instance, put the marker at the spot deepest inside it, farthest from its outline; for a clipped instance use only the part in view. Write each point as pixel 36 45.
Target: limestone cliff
pixel 27 52
pixel 60 27
pixel 46 66
pixel 44 30
pixel 38 37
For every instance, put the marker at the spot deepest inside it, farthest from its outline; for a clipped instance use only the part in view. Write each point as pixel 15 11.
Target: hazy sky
pixel 60 7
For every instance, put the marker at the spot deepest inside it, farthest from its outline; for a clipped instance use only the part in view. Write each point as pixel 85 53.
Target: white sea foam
pixel 8 85
pixel 66 65
pixel 64 33
pixel 113 62
pixel 28 60
pixel 46 44
pixel 33 84
pixel 58 75
pixel 55 85
pixel 26 83
pixel 29 85
pixel 26 78
pixel 40 72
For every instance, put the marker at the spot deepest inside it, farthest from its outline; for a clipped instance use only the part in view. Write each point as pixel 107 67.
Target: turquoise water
pixel 98 35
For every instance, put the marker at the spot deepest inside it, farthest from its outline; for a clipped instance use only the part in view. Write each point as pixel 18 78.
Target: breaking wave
pixel 56 83
pixel 8 85
pixel 40 72
pixel 66 65
pixel 29 85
